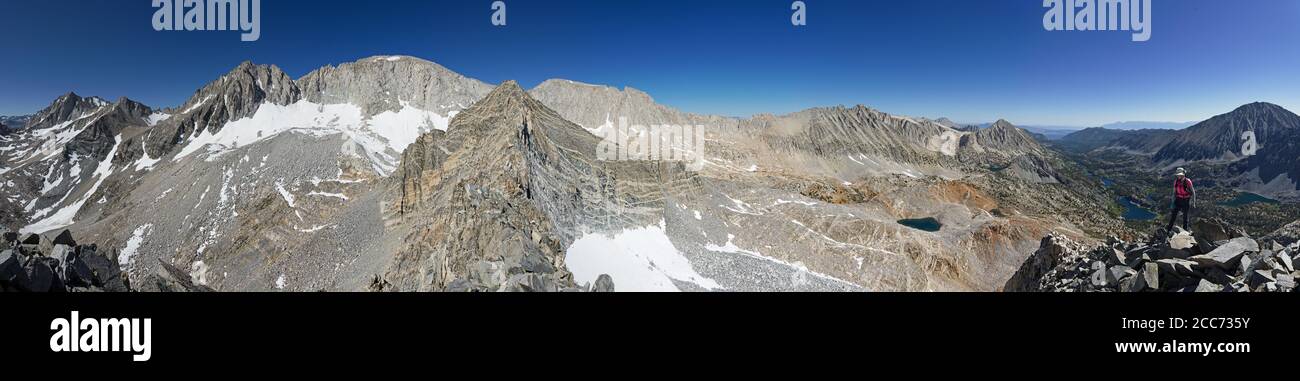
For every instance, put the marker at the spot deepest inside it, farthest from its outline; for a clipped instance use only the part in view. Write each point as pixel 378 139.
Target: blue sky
pixel 968 60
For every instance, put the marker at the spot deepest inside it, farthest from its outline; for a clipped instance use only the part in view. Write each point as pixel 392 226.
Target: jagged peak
pixel 1003 123
pixel 130 106
pixel 1258 106
pixel 248 68
pixel 71 95
pixel 507 90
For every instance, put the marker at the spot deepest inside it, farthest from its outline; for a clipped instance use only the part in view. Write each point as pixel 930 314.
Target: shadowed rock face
pixel 235 95
pixel 1272 171
pixel 52 162
pixel 1221 135
pixel 505 191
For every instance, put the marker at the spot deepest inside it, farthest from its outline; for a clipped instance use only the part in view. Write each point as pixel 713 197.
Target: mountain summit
pixel 1220 137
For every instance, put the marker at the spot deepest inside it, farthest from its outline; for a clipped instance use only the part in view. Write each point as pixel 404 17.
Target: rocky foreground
pixel 1213 257
pixel 37 264
pixel 34 264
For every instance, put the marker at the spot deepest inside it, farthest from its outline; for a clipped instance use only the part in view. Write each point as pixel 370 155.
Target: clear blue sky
pixel 971 61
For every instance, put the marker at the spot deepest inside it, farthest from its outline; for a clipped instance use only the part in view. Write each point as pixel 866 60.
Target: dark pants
pixel 1184 206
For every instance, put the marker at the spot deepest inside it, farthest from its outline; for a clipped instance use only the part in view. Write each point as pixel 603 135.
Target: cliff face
pixel 495 201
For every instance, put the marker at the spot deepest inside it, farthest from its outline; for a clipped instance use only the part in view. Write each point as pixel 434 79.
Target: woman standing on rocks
pixel 1184 200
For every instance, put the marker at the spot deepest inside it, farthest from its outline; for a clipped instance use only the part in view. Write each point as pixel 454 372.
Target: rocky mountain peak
pixel 131 107
pixel 235 95
pixel 1219 138
pixel 1004 136
pixel 392 83
pixel 507 92
pixel 65 108
pixel 1258 107
pixel 507 154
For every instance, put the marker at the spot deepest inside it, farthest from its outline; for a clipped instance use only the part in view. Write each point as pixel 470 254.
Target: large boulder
pixel 1177 266
pixel 1216 230
pixel 11 269
pixel 1049 254
pixel 604 283
pixel 1287 235
pixel 41 275
pixel 65 238
pixel 1208 286
pixel 168 278
pixel 1229 254
pixel 1151 275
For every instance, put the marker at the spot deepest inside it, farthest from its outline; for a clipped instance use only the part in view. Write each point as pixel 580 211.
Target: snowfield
pixel 639 260
pixel 383 136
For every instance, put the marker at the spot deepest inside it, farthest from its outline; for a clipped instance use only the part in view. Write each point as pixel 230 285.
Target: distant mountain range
pixel 1148 125
pixel 1053 133
pixel 395 173
pixel 1272 169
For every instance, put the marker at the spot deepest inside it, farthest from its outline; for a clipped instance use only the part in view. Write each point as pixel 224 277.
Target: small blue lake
pixel 1134 212
pixel 929 224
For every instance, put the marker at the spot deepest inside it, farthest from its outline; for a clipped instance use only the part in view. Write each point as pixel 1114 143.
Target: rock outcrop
pixel 495 200
pixel 36 264
pixel 1180 263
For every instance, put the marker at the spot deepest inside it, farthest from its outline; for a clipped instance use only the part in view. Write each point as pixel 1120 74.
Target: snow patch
pixel 197 105
pixel 199 273
pixel 805 203
pixel 382 137
pixel 639 260
pixel 799 267
pixel 64 217
pixel 133 245
pixel 327 194
pixel 403 127
pixel 157 117
pixel 288 197
pixel 145 163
